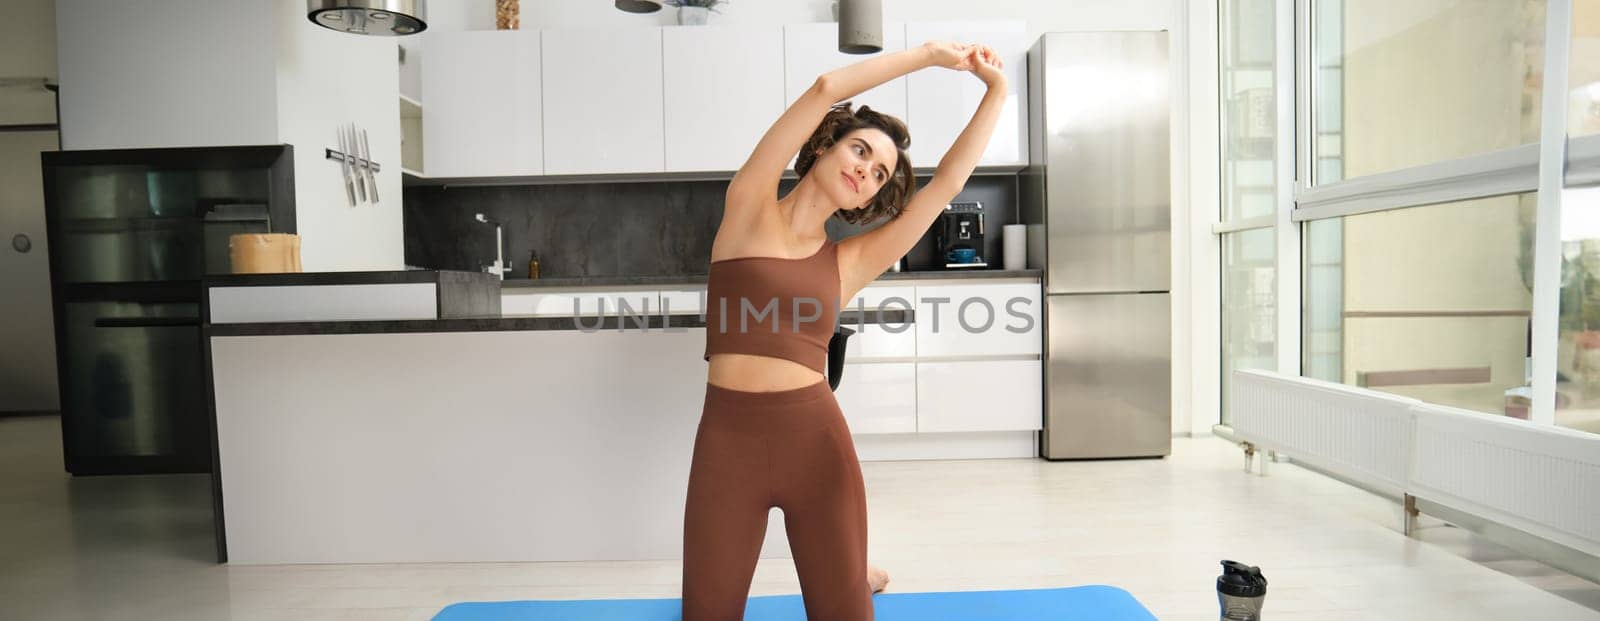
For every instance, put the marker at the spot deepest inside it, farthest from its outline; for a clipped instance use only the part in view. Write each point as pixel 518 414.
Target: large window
pixel 1418 277
pixel 1249 302
pixel 1422 162
pixel 1249 187
pixel 1583 107
pixel 1322 344
pixel 1327 76
pixel 1430 302
pixel 1578 345
pixel 1403 84
pixel 1249 105
pixel 1578 350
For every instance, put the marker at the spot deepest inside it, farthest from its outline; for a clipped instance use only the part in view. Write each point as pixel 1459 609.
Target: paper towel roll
pixel 1014 241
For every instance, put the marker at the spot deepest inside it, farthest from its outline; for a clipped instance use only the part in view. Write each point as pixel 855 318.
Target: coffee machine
pixel 958 236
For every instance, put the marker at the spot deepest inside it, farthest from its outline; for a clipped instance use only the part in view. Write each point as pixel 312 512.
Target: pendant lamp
pixel 639 6
pixel 860 26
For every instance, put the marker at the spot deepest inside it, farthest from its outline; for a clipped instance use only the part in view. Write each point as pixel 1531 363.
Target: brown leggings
pixel 788 449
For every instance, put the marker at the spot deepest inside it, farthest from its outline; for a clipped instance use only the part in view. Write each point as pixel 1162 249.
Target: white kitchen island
pixel 456 446
pixel 487 439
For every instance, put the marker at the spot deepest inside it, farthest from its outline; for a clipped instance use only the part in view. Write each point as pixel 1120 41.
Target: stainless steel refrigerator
pixel 1096 197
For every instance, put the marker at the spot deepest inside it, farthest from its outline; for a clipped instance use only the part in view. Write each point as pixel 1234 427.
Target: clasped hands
pixel 977 58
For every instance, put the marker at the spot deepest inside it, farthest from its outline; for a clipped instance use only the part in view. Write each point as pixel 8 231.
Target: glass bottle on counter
pixel 533 264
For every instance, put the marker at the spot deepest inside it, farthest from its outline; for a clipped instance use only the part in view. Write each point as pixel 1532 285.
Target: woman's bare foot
pixel 876 578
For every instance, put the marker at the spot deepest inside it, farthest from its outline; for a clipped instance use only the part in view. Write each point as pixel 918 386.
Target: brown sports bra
pixel 774 306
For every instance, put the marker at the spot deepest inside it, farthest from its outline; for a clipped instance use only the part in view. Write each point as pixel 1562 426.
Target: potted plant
pixel 695 12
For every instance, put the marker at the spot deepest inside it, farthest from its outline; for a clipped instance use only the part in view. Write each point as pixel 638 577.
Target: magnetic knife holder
pixel 336 155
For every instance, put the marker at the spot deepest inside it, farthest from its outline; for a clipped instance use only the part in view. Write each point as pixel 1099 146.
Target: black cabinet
pixel 132 233
pixel 138 400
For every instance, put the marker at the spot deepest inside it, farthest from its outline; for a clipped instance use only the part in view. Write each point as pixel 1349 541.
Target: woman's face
pixel 856 167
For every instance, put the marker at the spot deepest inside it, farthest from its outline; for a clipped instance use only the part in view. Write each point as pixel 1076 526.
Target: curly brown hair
pixel 839 122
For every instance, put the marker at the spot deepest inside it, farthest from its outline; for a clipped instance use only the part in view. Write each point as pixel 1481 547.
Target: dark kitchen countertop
pixel 386 277
pixel 457 294
pixel 676 321
pixel 700 279
pixel 492 323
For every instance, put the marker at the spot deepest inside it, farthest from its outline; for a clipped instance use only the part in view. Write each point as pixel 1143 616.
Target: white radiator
pixel 1539 479
pixel 1356 433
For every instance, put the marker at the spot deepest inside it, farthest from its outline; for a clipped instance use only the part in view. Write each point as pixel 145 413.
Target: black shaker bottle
pixel 1241 590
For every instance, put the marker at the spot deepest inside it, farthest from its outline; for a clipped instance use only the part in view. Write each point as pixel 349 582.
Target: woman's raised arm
pixel 865 256
pixel 757 179
pixel 958 163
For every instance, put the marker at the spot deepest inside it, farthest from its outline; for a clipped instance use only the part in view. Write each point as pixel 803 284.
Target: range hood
pixel 385 18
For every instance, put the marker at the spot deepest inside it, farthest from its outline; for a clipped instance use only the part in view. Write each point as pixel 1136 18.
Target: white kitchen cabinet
pixel 602 101
pixel 873 340
pixel 483 115
pixel 811 50
pixel 589 303
pixel 979 395
pixel 941 102
pixel 979 319
pixel 723 88
pixel 879 397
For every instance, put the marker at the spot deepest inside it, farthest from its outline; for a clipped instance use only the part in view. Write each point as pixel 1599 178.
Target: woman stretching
pixel 771 433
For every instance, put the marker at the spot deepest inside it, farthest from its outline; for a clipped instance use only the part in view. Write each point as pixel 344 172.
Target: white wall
pixel 325 79
pixel 28 38
pixel 28 50
pixel 1196 290
pixel 176 73
pixel 1041 15
pixel 27 336
pixel 146 74
pixel 454 15
pixel 449 16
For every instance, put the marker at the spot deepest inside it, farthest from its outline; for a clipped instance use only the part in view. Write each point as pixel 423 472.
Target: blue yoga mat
pixel 1085 603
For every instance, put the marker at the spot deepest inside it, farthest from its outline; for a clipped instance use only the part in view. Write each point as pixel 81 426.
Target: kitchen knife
pixel 361 180
pixel 344 164
pixel 366 154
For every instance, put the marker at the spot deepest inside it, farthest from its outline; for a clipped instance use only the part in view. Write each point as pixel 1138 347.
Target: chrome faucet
pixel 499 267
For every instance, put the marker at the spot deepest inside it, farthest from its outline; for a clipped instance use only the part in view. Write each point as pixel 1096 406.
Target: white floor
pixel 141 547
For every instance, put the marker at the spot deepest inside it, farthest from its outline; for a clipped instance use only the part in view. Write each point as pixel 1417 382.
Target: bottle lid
pixel 1241 580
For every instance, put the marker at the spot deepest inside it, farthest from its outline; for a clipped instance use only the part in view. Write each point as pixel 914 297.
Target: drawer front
pixel 895 340
pixel 980 395
pixel 975 320
pixel 324 303
pixel 879 398
pixel 560 304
